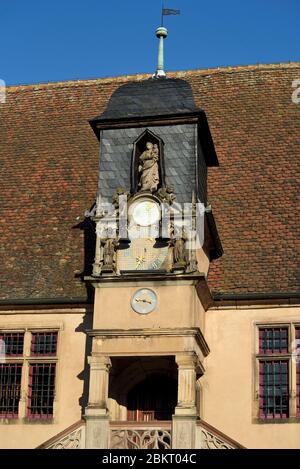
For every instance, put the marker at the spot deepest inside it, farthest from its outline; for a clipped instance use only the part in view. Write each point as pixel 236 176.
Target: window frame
pixel 13 415
pixel 13 355
pixel 297 338
pixel 26 361
pixel 33 343
pixel 267 351
pixel 275 416
pixel 293 412
pixel 30 414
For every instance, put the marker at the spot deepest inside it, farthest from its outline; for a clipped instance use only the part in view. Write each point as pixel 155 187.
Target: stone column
pixel 184 420
pixel 98 256
pixel 96 413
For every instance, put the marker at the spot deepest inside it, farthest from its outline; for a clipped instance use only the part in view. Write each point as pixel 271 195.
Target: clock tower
pixel 155 238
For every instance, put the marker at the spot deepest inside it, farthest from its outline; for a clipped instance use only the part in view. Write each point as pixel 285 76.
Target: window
pixel 274 389
pixel 273 373
pixel 43 343
pixel 273 340
pixel 13 343
pixel 278 372
pixel 10 389
pixel 36 370
pixel 41 390
pixel 42 376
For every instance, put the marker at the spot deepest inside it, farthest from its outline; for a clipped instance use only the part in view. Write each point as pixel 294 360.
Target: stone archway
pixel 130 376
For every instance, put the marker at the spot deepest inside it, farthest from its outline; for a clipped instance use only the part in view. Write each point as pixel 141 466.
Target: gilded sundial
pixel 141 255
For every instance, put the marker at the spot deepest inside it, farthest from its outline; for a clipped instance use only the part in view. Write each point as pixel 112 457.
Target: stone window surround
pixel 292 327
pixel 26 359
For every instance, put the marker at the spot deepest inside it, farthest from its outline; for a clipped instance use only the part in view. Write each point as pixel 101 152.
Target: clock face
pixel 145 212
pixel 144 301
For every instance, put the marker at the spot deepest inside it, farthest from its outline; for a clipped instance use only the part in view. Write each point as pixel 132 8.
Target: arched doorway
pixel 154 398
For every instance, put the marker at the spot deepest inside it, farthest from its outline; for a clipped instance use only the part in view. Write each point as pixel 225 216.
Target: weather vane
pixel 167 12
pixel 161 34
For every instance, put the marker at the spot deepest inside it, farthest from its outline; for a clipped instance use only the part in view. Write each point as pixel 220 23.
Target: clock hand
pixel 138 300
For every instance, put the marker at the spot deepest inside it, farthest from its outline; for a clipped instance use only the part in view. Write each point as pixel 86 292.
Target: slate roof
pixel 179 159
pixel 49 169
pixel 151 97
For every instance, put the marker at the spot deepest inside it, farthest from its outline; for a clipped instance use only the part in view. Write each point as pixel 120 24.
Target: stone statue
pixel 119 191
pixel 166 194
pixel 109 248
pixel 148 167
pixel 179 251
pixel 155 152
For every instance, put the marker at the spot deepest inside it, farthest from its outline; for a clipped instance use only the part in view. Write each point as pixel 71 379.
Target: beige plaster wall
pixel 177 306
pixel 228 386
pixel 69 387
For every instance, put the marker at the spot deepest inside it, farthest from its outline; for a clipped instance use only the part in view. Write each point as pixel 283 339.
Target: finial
pixel 161 33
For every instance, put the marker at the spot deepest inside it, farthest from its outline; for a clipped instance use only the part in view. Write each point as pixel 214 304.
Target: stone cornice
pixel 194 332
pixel 137 278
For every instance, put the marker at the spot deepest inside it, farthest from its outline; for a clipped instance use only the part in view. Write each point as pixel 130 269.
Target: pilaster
pixel 184 420
pixel 96 413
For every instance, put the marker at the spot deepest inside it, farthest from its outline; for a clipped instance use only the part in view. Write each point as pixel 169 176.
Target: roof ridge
pixel 142 76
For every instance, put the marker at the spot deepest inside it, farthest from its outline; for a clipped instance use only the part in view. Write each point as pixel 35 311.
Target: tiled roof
pixel 49 163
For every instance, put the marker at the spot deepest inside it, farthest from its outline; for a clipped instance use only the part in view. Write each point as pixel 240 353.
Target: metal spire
pixel 161 33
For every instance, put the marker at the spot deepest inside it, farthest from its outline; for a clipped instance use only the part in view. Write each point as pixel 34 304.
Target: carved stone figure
pixel 148 167
pixel 116 197
pixel 119 200
pixel 155 151
pixel 166 194
pixel 179 251
pixel 109 248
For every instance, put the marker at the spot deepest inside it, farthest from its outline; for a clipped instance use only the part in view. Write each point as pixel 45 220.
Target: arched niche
pixel 139 146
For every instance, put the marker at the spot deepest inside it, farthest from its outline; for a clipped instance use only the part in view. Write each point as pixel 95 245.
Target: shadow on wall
pixel 84 375
pixel 89 229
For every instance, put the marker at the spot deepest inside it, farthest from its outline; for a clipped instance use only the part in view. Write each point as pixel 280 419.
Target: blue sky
pixel 58 40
